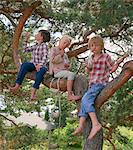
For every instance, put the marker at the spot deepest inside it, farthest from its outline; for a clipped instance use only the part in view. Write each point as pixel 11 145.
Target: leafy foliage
pixel 113 20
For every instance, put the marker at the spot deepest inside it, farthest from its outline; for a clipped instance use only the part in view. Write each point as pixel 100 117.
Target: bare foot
pixel 15 88
pixel 94 131
pixel 78 131
pixel 74 97
pixel 33 97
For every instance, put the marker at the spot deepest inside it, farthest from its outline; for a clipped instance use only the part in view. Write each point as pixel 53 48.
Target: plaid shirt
pixel 101 69
pixel 39 53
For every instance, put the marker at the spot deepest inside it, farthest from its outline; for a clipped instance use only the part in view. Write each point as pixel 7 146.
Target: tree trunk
pixel 80 87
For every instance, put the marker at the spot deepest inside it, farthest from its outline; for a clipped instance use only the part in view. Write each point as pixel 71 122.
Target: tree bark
pixel 80 86
pixel 26 14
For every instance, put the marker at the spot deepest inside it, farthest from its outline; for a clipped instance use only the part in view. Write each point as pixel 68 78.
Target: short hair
pixel 96 39
pixel 46 35
pixel 67 37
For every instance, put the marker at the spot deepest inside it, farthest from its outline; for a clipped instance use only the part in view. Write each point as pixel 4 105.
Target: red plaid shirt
pixel 101 69
pixel 39 53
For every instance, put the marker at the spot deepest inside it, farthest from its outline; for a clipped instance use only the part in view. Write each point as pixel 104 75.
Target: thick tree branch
pixel 9 17
pixel 114 85
pixel 26 14
pixel 78 51
pixel 8 71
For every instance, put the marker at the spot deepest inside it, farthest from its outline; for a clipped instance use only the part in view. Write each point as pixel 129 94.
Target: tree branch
pixel 26 14
pixel 8 119
pixel 113 86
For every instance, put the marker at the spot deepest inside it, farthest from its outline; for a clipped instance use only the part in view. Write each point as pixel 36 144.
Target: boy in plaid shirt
pixel 99 71
pixel 38 62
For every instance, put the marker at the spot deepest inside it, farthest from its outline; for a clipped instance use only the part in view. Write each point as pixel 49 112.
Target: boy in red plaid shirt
pixel 99 70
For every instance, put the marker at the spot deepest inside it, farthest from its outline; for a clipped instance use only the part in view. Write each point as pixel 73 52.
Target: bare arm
pixel 56 59
pixel 25 47
pixel 88 68
pixel 120 60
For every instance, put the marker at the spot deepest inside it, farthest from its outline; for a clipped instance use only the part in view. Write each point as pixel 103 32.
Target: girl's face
pixel 64 43
pixel 96 48
pixel 39 37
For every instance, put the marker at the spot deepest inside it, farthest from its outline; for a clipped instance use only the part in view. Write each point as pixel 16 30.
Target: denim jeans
pixel 29 67
pixel 88 100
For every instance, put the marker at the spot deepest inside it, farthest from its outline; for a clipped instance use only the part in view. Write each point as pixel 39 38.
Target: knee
pixel 41 72
pixel 71 76
pixel 24 65
pixel 44 70
pixel 87 102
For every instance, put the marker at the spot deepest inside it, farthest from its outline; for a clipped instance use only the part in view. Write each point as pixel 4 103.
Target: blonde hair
pixel 67 37
pixel 96 40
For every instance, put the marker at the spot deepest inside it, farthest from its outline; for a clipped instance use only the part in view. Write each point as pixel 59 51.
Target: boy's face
pixel 39 37
pixel 64 43
pixel 96 48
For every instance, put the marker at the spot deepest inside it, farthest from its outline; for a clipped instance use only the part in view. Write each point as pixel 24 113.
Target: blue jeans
pixel 87 102
pixel 29 67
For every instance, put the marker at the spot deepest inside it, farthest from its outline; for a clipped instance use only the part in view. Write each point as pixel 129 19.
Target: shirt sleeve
pixel 56 58
pixel 28 48
pixel 44 50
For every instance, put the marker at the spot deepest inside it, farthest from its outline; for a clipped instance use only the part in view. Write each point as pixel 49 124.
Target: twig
pixel 8 119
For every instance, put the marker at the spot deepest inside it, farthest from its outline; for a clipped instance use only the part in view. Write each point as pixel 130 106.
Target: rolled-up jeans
pixel 29 67
pixel 88 100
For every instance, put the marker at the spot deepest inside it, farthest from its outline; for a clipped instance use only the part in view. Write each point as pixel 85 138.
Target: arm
pixel 56 59
pixel 88 68
pixel 28 49
pixel 25 47
pixel 120 60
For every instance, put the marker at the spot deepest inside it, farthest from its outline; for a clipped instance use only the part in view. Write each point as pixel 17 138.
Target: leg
pixel 81 126
pixel 38 80
pixel 15 88
pixel 71 96
pixel 25 67
pixel 89 108
pixel 70 80
pixel 96 126
pixel 83 115
pixel 33 93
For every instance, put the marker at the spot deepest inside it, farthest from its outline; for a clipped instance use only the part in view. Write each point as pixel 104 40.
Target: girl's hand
pixel 38 66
